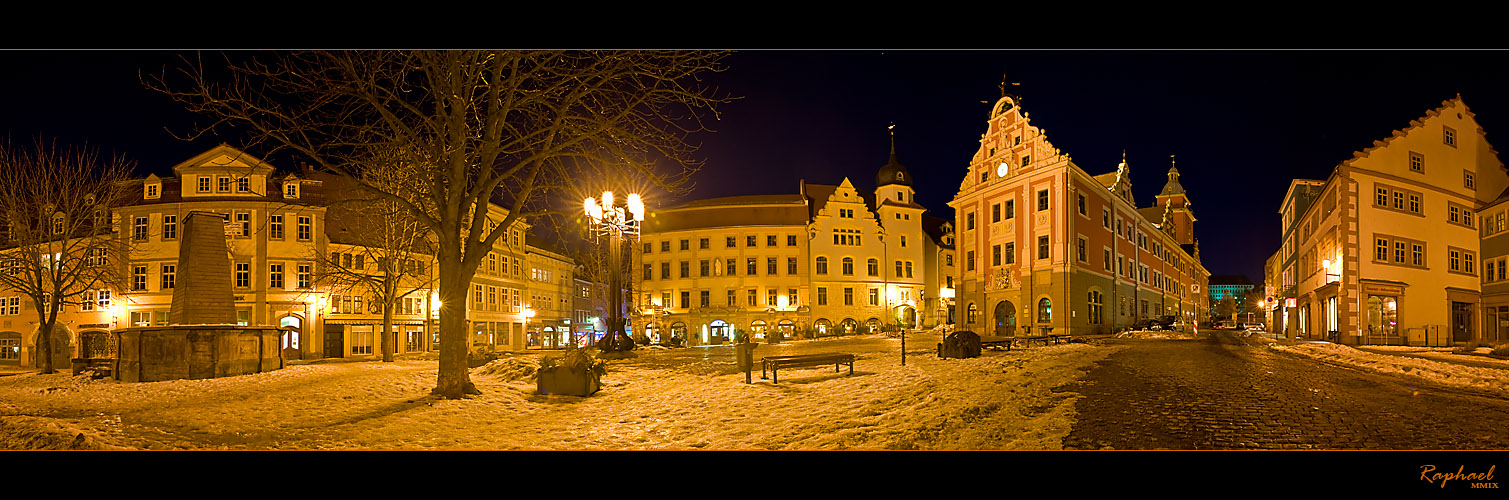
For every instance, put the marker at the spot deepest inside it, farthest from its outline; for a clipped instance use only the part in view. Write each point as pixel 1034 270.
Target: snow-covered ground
pixel 1001 400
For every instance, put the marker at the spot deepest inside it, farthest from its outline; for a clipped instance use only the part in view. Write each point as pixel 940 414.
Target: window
pixel 822 296
pixel 138 278
pixel 1080 250
pixel 874 296
pixel 703 298
pixel 791 297
pixel 1467 180
pixel 732 298
pixel 649 272
pixel 152 190
pixel 169 272
pixel 909 269
pixel 770 266
pixel 1044 310
pixel 685 245
pixel 648 247
pixel 665 246
pixel 995 255
pixel 1405 251
pixel 665 270
pixel 1042 200
pixel 1416 162
pixel 1105 218
pixel 1448 136
pixel 821 265
pixel 704 244
pixel 969 260
pixel 770 240
pixel 903 241
pixel 243 275
pixel 102 299
pixel 1106 258
pixel 169 227
pixel 204 184
pixel 898 269
pixel 790 240
pixel 243 219
pixel 305 230
pixel 848 266
pixel 686 269
pixel 791 265
pixel 733 266
pixel 1011 253
pixel 306 275
pixel 1010 209
pixel 749 241
pixel 243 185
pixel 848 296
pixel 223 184
pixel 969 220
pixel 138 228
pixel 730 242
pixel 772 297
pixel 995 213
pixel 1460 260
pixel 754 297
pixel 291 190
pixel 275 276
pixel 1082 205
pixel 703 268
pixel 1042 247
pixel 751 266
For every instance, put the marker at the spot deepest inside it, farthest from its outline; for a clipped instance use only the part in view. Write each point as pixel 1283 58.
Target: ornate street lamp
pixel 617 225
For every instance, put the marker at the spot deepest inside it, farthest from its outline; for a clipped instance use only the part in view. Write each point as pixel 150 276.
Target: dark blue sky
pixel 1242 123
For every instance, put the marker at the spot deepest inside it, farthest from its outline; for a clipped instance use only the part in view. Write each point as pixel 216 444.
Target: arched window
pixel 873 267
pixel 822 265
pixel 899 177
pixel 1044 310
pixel 848 266
pixel 971 314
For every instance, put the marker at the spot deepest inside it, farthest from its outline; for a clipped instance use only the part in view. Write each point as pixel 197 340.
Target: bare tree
pixel 391 251
pixel 57 230
pixel 511 127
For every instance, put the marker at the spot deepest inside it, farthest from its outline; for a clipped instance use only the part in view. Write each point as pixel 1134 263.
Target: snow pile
pixel 1441 372
pixel 1154 334
pixel 510 369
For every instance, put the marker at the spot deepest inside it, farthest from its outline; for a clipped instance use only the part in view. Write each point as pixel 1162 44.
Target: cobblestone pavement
pixel 1219 392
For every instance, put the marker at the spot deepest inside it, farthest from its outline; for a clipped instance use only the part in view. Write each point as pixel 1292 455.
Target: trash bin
pixel 744 356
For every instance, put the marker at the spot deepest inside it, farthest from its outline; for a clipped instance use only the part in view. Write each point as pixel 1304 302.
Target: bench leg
pixel 762 371
pixel 775 375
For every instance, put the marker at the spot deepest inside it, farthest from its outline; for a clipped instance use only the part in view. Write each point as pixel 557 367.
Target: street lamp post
pixel 617 225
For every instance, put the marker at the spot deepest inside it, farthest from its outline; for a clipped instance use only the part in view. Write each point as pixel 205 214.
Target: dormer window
pixel 223 184
pixel 900 176
pixel 204 184
pixel 243 185
pixel 152 191
pixel 291 190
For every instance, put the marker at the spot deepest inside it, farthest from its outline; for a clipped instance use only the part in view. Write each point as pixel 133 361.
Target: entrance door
pixel 291 333
pixel 1461 321
pixel 335 341
pixel 1005 315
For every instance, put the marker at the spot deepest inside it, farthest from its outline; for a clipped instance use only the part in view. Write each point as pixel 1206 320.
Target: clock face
pixel 1001 170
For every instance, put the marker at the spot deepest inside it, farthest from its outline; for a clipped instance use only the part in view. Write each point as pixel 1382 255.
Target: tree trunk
pixel 453 381
pixel 387 331
pixel 44 348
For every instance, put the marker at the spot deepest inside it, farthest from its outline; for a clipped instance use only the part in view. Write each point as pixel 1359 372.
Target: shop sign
pixel 1371 289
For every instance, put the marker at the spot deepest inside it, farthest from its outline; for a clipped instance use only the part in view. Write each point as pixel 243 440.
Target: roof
pixel 893 172
pixel 933 226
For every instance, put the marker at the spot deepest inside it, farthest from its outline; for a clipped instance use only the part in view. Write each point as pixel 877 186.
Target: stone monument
pixel 202 338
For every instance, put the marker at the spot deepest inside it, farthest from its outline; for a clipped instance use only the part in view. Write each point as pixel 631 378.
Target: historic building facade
pixel 827 259
pixel 281 241
pixel 1046 246
pixel 1388 248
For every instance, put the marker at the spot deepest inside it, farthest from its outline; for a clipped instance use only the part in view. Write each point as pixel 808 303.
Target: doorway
pixel 292 329
pixel 1005 316
pixel 335 341
pixel 1461 321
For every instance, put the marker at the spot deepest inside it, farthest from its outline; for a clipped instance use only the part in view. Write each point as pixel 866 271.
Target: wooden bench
pixel 1006 342
pixel 1045 339
pixel 773 364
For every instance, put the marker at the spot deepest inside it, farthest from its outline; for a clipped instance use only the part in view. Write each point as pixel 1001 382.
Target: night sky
pixel 1242 124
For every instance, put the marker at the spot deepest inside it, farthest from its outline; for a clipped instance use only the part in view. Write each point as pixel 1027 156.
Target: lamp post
pixel 529 313
pixel 617 225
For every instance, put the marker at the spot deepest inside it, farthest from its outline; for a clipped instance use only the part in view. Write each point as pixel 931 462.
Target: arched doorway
pixel 822 327
pixel 848 326
pixel 906 316
pixel 678 331
pixel 785 328
pixel 1005 316
pixel 719 332
pixel 757 329
pixel 293 329
pixel 872 325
